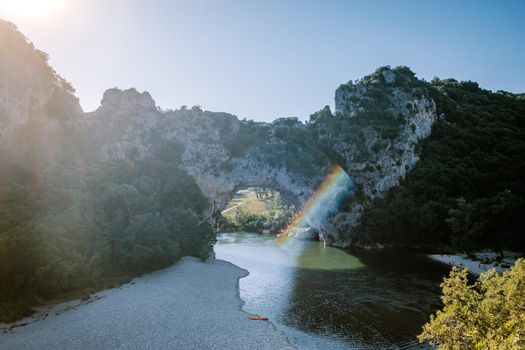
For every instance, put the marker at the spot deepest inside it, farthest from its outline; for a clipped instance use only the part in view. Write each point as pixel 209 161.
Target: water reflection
pixel 323 297
pixel 317 256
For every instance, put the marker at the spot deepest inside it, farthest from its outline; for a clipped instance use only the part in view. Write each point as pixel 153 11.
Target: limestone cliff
pixel 222 153
pixel 373 134
pixel 30 90
pixel 377 125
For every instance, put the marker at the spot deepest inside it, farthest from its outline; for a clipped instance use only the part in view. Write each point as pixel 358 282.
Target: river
pixel 326 298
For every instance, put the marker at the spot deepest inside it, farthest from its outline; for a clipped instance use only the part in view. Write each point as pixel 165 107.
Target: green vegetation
pixel 257 210
pixel 467 189
pixel 71 223
pixel 255 200
pixel 362 110
pixel 489 314
pixel 67 228
pixel 249 133
pixel 284 143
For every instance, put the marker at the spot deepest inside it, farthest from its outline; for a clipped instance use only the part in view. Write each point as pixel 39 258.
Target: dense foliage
pixel 489 314
pixel 69 222
pixel 467 189
pixel 284 143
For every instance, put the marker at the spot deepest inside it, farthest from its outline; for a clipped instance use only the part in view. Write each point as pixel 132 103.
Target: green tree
pixel 467 189
pixel 146 244
pixel 489 314
pixel 460 219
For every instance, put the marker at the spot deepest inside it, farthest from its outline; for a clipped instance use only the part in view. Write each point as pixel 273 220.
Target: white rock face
pixel 389 76
pixel 388 165
pixel 387 161
pixel 128 125
pixel 28 85
pixel 284 155
pixel 120 124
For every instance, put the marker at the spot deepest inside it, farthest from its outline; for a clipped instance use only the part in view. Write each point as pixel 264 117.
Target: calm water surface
pixel 327 298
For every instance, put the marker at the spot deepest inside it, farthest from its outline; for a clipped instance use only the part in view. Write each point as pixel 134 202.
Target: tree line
pixel 70 222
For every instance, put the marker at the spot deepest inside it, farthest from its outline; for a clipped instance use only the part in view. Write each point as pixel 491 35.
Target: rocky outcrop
pixel 372 135
pixel 30 90
pixel 129 126
pixel 386 114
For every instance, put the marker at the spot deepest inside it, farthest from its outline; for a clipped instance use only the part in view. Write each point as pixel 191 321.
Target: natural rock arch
pixel 222 153
pixel 372 136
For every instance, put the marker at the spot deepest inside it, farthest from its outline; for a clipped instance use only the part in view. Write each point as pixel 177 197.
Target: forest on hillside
pixel 71 227
pixel 467 190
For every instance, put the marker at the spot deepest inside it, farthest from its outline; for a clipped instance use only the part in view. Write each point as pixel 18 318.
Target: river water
pixel 326 298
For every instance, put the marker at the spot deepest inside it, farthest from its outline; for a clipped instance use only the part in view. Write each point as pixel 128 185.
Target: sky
pixel 270 58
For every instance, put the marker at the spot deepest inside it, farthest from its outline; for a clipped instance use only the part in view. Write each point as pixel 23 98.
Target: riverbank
pixel 323 297
pixel 191 305
pixel 478 262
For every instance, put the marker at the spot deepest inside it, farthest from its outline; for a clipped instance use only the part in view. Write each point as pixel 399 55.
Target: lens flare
pixel 332 192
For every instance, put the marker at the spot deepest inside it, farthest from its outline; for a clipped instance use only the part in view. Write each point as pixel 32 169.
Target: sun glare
pixel 30 8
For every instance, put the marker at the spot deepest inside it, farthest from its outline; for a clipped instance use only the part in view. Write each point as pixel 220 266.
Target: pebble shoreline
pixel 191 305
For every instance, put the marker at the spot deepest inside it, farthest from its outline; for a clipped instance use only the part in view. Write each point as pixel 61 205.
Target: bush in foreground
pixel 489 314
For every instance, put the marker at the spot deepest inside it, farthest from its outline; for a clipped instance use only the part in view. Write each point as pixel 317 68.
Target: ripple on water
pixel 324 297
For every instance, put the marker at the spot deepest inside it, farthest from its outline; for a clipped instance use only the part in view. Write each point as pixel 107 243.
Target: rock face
pixel 381 157
pixel 30 90
pixel 372 135
pixel 128 126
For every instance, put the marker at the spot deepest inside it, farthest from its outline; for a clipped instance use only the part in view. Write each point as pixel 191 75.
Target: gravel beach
pixel 191 305
pixel 483 261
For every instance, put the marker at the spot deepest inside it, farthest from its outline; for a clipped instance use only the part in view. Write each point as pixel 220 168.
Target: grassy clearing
pixel 249 203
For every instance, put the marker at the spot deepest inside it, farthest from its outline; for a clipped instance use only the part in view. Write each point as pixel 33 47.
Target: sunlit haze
pixel 30 8
pixel 268 59
pixel 262 174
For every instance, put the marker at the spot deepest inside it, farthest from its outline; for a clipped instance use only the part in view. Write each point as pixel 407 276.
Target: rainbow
pixel 328 197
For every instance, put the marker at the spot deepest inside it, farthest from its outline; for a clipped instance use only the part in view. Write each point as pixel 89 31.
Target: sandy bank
pixel 192 305
pixel 479 262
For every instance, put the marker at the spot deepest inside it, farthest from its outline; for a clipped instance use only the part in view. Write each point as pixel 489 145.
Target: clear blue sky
pixel 266 59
